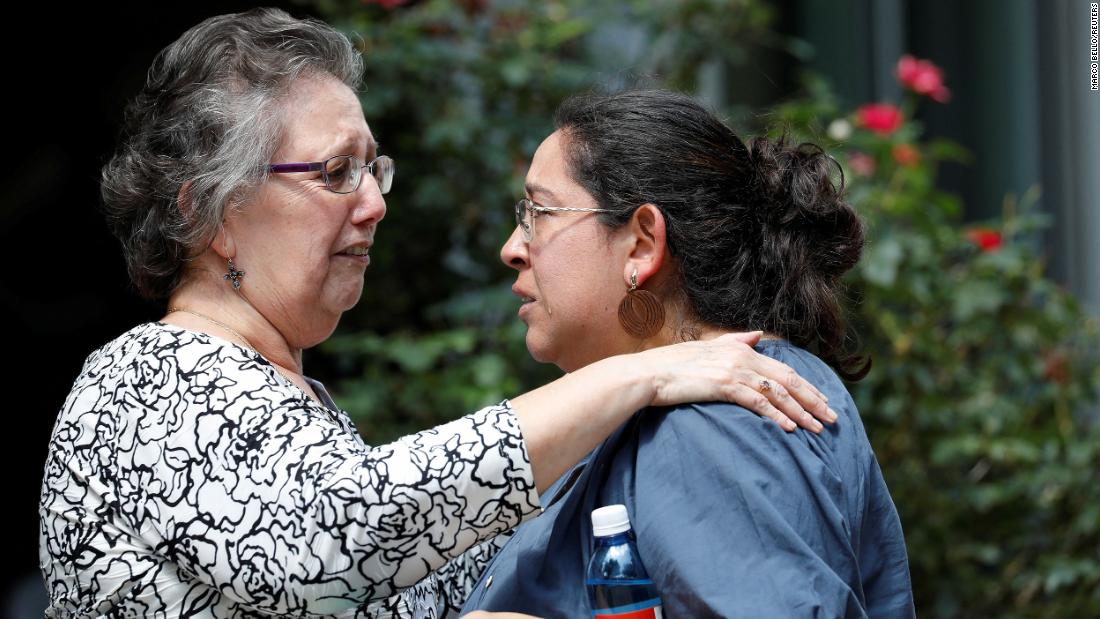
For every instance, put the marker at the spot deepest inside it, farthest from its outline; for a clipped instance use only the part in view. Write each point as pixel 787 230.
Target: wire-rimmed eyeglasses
pixel 527 210
pixel 344 173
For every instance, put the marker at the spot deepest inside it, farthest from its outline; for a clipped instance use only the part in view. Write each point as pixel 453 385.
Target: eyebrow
pixel 532 189
pixel 372 147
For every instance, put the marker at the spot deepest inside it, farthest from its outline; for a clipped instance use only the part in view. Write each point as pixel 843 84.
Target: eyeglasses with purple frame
pixel 344 173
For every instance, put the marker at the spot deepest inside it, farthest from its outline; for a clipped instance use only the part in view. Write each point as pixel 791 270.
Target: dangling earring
pixel 640 312
pixel 234 276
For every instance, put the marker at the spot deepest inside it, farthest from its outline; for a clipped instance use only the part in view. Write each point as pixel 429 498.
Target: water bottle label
pixel 650 609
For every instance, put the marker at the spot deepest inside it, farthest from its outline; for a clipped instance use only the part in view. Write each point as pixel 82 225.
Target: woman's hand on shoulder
pixel 728 368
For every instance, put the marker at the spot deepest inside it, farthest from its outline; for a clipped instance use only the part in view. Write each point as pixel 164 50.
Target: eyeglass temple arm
pixel 569 208
pixel 295 167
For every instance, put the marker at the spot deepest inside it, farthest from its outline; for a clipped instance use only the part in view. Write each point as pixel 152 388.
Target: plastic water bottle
pixel 618 585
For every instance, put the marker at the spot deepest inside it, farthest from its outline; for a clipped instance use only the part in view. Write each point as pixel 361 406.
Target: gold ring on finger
pixel 765 385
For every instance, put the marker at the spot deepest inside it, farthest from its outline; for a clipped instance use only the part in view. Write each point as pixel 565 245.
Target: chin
pixel 345 301
pixel 537 350
pixel 546 354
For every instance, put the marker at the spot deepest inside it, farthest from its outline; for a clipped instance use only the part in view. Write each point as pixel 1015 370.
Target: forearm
pixel 564 420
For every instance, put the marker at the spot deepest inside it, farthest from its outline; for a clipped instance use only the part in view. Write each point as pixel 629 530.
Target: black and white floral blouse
pixel 187 477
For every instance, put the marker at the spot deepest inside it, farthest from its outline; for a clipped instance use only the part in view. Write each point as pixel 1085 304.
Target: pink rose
pixel 882 118
pixel 923 78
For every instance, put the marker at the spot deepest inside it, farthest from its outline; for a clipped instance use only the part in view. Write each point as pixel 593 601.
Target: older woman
pixel 646 222
pixel 194 469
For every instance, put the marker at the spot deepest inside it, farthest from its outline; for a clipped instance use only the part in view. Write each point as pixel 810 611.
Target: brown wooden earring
pixel 640 312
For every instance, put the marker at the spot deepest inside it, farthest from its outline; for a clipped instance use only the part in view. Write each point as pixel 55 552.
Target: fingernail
pixel 818 427
pixel 789 425
pixel 831 414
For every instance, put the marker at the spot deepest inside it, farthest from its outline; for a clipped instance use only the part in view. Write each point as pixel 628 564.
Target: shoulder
pixel 161 368
pixel 155 358
pixel 152 341
pixel 725 447
pixel 811 368
pixel 708 422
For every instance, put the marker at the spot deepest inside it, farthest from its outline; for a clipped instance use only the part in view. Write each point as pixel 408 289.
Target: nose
pixel 514 253
pixel 370 206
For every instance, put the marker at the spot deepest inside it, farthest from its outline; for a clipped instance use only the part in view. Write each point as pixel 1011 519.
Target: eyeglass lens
pixel 383 168
pixel 343 173
pixel 524 220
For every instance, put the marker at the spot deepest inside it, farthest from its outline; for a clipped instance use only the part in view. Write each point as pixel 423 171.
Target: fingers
pixel 729 368
pixel 800 402
pixel 781 399
pixel 756 402
pixel 794 394
pixel 747 337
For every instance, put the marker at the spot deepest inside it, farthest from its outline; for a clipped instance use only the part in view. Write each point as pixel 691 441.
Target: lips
pixel 357 250
pixel 524 296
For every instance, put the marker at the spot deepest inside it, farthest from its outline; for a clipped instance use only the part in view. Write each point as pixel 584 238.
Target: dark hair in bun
pixel 760 233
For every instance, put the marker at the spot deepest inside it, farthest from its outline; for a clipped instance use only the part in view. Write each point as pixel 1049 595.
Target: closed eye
pixel 337 169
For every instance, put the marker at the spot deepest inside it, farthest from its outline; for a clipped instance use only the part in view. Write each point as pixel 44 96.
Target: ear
pixel 183 202
pixel 222 243
pixel 647 243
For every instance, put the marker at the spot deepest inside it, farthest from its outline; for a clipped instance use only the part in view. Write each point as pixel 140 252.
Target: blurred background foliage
pixel 984 369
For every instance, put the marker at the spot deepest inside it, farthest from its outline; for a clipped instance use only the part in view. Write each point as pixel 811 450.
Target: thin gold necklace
pixel 172 310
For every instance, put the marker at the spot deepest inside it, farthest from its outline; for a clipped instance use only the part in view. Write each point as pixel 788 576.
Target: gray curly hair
pixel 208 118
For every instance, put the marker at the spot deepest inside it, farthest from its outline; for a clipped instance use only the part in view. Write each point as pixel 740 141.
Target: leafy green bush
pixel 984 370
pixel 983 367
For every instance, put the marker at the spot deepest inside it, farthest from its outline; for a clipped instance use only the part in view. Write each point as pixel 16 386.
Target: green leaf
pixel 980 297
pixel 880 265
pixel 947 150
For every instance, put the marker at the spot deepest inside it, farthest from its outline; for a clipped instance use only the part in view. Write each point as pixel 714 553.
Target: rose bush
pixel 984 372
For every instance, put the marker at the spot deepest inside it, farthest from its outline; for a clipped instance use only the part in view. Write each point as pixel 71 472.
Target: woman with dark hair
pixel 195 470
pixel 647 222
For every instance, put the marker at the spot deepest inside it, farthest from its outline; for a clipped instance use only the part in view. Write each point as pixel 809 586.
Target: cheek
pixel 313 243
pixel 302 262
pixel 581 297
pixel 299 236
pixel 574 275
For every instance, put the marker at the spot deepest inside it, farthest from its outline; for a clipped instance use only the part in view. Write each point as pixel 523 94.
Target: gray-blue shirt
pixel 733 516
